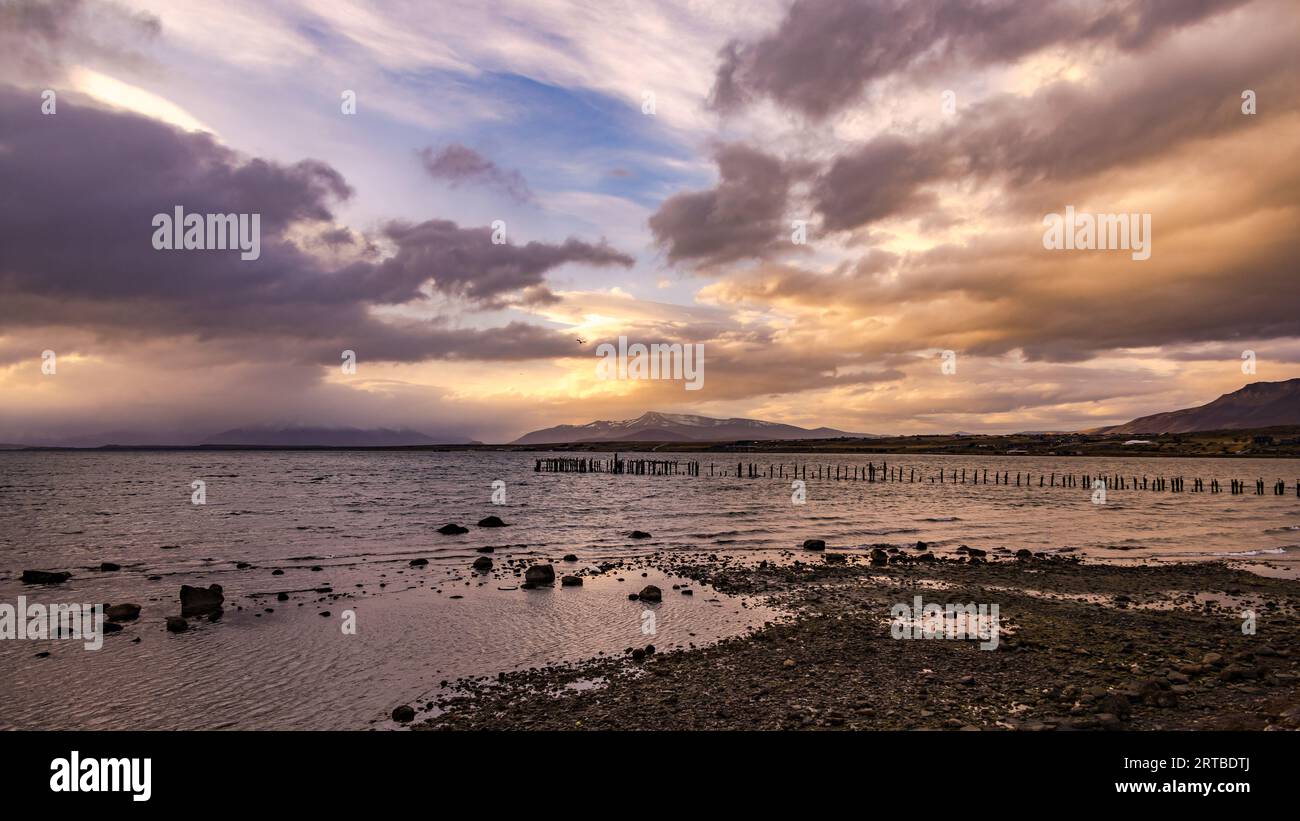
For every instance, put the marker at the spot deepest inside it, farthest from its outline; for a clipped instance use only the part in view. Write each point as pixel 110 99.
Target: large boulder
pixel 540 574
pixel 197 601
pixel 651 593
pixel 45 577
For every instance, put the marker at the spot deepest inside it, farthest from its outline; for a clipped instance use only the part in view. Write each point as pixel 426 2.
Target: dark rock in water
pixel 242 565
pixel 569 557
pixel 404 713
pixel 419 562
pixel 649 649
pixel 122 612
pixel 638 534
pixel 835 558
pixel 176 624
pixel 44 577
pixel 110 627
pixel 638 654
pixel 452 529
pixel 199 600
pixel 922 546
pixel 325 614
pixel 485 549
pixel 651 593
pixel 571 581
pixel 975 551
pixel 277 572
pixel 316 568
pixel 281 596
pixel 540 574
pixel 1024 553
pixel 109 567
pixel 482 564
pixel 879 556
pixel 491 521
pixel 814 544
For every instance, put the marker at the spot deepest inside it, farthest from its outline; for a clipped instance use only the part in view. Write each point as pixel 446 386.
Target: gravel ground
pixel 1081 646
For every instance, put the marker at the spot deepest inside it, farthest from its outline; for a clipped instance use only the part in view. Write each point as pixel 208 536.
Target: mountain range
pixel 1257 405
pixel 296 436
pixel 679 427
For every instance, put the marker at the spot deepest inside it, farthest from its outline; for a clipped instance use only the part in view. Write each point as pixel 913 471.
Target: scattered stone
pixel 638 534
pixel 277 572
pixel 835 558
pixel 491 521
pixel 281 596
pixel 651 593
pixel 879 556
pixel 814 544
pixel 571 581
pixel 452 529
pixel 482 564
pixel 419 562
pixel 540 574
pixel 122 612
pixel 404 713
pixel 45 577
pixel 569 557
pixel 176 624
pixel 197 601
pixel 109 567
pixel 485 550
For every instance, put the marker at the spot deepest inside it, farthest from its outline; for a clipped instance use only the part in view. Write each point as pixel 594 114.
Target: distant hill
pixel 325 437
pixel 678 427
pixel 1257 405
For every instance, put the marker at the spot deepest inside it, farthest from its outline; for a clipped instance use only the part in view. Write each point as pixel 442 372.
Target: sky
pixel 842 201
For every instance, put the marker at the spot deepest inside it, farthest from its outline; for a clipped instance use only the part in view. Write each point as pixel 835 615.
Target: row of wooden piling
pixel 638 467
pixel 885 473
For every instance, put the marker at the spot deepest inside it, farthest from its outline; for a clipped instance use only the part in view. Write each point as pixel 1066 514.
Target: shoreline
pixel 1085 647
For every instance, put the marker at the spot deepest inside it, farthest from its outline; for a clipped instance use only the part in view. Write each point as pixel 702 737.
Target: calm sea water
pixel 361 517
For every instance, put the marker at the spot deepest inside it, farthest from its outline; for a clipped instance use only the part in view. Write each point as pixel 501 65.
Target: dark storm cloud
pixel 75 247
pixel 460 165
pixel 464 262
pixel 739 218
pixel 826 52
pixel 1061 134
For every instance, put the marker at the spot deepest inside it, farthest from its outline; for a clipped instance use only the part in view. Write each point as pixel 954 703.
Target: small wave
pixel 1260 552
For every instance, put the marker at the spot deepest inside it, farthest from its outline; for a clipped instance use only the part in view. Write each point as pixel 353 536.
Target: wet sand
pixel 1083 646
